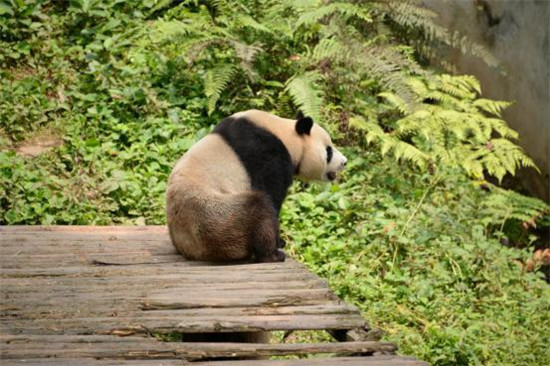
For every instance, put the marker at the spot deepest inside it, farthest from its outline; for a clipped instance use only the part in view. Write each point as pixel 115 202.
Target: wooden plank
pixel 85 229
pixel 332 361
pixel 174 296
pixel 133 351
pixel 337 361
pixel 185 267
pixel 23 288
pixel 209 320
pixel 138 348
pixel 92 362
pixel 88 339
pixel 33 261
pixel 132 310
pixel 182 268
pixel 52 247
pixel 38 233
pixel 197 351
pixel 112 267
pixel 63 238
pixel 58 285
pixel 146 348
pixel 169 299
pixel 150 323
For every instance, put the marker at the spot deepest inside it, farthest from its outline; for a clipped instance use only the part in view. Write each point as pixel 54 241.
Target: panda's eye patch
pixel 329 154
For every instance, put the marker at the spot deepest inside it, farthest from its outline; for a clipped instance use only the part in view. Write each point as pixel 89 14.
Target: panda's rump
pixel 221 227
pixel 229 225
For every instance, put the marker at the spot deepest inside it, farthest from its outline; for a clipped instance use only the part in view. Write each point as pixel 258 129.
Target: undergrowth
pixel 411 233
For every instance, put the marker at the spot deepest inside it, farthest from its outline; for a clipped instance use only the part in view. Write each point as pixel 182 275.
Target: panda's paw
pixel 281 243
pixel 277 256
pixel 280 256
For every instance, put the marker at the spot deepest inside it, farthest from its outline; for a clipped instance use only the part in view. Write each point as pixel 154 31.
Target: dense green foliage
pixel 411 234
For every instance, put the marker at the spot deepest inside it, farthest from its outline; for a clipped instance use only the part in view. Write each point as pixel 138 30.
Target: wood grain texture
pixel 141 347
pixel 336 361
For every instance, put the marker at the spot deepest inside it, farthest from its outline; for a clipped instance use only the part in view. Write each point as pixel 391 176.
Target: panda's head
pixel 308 144
pixel 320 160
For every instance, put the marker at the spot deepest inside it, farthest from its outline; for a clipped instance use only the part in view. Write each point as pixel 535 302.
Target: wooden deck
pixel 105 295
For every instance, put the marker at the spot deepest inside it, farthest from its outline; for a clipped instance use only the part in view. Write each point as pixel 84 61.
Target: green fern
pixel 248 21
pixel 215 81
pixel 329 48
pixel 396 101
pixel 246 53
pixel 306 94
pixel 494 107
pixel 501 156
pixel 454 129
pixel 502 205
pixel 345 10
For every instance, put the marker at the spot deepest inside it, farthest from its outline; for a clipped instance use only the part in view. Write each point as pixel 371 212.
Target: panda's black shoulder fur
pixel 263 155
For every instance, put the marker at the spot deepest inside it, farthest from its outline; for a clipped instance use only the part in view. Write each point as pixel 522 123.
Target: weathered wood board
pixel 96 295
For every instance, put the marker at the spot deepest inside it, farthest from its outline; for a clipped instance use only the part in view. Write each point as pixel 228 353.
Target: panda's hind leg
pixel 263 231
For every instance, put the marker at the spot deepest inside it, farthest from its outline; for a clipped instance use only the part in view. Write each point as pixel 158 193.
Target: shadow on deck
pixel 98 295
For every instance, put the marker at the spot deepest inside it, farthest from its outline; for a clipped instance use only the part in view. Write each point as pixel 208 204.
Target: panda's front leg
pixel 266 243
pixel 281 243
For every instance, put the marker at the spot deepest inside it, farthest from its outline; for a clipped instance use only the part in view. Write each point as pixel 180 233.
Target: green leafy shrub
pixel 410 234
pixel 429 275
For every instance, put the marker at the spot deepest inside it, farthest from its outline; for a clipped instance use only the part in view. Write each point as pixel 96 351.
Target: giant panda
pixel 224 194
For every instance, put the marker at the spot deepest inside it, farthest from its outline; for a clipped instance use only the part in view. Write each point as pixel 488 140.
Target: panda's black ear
pixel 300 115
pixel 303 125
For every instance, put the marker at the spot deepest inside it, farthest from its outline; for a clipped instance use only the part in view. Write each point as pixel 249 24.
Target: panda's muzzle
pixel 331 175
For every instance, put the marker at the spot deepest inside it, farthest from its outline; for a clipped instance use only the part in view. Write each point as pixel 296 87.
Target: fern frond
pixel 494 107
pixel 396 101
pixel 469 47
pixel 402 151
pixel 462 87
pixel 389 144
pixel 382 64
pixel 418 86
pixel 502 128
pixel 168 28
pixel 373 132
pixel 223 7
pixel 442 97
pixel 358 122
pixel 244 20
pixel 345 10
pixel 329 48
pixel 246 53
pixel 502 204
pixel 500 156
pixel 306 94
pixel 215 81
pixel 411 16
